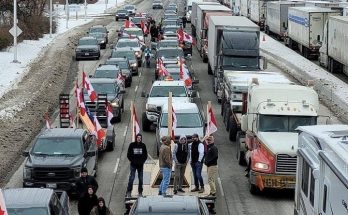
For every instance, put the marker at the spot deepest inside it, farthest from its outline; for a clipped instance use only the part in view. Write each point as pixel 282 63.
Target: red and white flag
pixel 3 210
pixel 88 86
pixel 212 125
pixel 48 123
pixel 188 38
pixel 184 74
pixel 135 123
pixel 144 27
pixel 80 100
pixel 180 34
pixel 100 133
pixel 129 24
pixel 110 114
pixel 174 123
pixel 72 121
pixel 162 70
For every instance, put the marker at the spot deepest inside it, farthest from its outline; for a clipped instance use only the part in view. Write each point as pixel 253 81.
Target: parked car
pixel 121 14
pixel 134 45
pixel 129 54
pixel 134 33
pixel 157 4
pixel 100 29
pixel 131 9
pixel 169 22
pixel 170 43
pixel 87 48
pixel 137 20
pixel 125 67
pixel 107 71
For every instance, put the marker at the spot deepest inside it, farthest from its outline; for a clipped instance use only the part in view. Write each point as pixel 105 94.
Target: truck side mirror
pixel 25 153
pixel 244 123
pixel 91 153
pixel 143 94
pixel 122 91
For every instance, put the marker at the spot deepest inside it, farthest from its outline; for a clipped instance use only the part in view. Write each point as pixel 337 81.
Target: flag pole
pixel 132 119
pixel 77 107
pixel 170 115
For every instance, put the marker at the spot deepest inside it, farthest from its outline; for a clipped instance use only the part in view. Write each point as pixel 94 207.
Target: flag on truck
pixel 212 125
pixel 48 123
pixel 135 122
pixel 72 121
pixel 99 131
pixel 80 100
pixel 3 210
pixel 129 24
pixel 162 70
pixel 144 27
pixel 88 86
pixel 185 37
pixel 110 114
pixel 184 74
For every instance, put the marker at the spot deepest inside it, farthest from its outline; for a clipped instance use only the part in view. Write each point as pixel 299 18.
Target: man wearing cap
pixel 180 157
pixel 137 155
pixel 84 181
pixel 210 161
pixel 196 150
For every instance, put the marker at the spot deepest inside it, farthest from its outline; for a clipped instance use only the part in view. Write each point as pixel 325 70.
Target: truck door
pixel 55 206
pixel 91 146
pixel 307 188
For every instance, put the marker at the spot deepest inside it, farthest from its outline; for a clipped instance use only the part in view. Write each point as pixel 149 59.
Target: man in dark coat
pixel 87 202
pixel 84 181
pixel 137 155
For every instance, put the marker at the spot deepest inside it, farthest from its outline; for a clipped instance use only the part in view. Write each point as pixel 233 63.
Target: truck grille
pixel 52 174
pixel 286 164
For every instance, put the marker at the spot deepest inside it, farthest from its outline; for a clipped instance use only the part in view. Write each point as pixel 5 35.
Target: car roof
pixel 87 38
pixel 123 49
pixel 107 67
pixel 118 59
pixel 177 204
pixel 27 197
pixel 62 132
pixel 103 80
pixel 133 29
pixel 98 26
pixel 169 48
pixel 169 83
pixel 128 40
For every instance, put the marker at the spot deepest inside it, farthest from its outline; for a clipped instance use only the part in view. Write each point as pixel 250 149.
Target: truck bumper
pixel 152 116
pixel 66 186
pixel 274 181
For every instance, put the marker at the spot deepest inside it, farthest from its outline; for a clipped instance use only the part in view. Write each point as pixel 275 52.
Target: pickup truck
pixel 38 201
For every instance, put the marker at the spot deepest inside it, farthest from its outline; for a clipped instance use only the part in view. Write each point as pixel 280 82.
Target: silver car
pixel 87 48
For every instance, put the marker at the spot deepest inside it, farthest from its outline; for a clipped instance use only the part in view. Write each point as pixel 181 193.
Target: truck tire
pixel 233 129
pixel 226 115
pixel 119 117
pixel 210 72
pixel 205 59
pixel 145 122
pixel 253 189
pixel 111 145
pixel 240 154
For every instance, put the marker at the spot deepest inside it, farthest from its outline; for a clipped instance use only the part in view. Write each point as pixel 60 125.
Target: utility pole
pixel 15 31
pixel 67 13
pixel 51 18
pixel 85 10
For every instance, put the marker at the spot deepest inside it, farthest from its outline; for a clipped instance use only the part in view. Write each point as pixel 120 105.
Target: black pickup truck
pixel 57 156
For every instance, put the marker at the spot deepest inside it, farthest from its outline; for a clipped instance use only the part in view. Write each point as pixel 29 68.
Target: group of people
pixel 88 202
pixel 196 153
pixel 156 30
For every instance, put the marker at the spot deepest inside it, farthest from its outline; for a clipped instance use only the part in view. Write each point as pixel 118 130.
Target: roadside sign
pixel 74 7
pixel 12 31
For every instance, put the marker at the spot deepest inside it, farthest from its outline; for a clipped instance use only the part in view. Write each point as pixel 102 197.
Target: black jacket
pixel 211 156
pixel 83 183
pixel 86 204
pixel 137 154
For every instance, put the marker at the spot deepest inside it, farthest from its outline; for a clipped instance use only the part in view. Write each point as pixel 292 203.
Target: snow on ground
pixel 29 50
pixel 332 90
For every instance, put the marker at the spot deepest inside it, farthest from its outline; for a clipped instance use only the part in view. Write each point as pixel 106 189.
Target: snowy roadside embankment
pixel 332 91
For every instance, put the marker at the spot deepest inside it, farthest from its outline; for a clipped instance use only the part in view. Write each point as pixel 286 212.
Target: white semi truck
pixel 258 9
pixel 194 17
pixel 268 141
pixel 333 52
pixel 245 8
pixel 322 170
pixel 306 28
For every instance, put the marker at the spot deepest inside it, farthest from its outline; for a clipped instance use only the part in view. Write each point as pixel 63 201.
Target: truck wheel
pixel 145 122
pixel 233 130
pixel 253 188
pixel 222 107
pixel 228 118
pixel 111 145
pixel 210 72
pixel 205 59
pixel 240 154
pixel 119 117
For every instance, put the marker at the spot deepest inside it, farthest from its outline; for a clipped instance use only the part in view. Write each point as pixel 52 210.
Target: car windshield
pixel 240 62
pixel 170 43
pixel 170 16
pixel 122 44
pixel 129 7
pixel 169 22
pixel 108 88
pixel 57 146
pixel 27 211
pixel 121 64
pixel 98 30
pixel 106 74
pixel 170 53
pixel 184 120
pixel 137 20
pixel 279 123
pixel 163 91
pixel 97 35
pixel 122 11
pixel 84 42
pixel 170 29
pixel 134 32
pixel 128 54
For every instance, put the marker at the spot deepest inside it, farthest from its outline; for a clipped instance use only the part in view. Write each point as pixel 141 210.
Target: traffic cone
pixel 264 38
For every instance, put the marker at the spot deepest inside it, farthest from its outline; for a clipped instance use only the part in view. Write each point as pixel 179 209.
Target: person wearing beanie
pixel 101 209
pixel 210 161
pixel 165 164
pixel 137 155
pixel 180 157
pixel 87 202
pixel 196 151
pixel 84 181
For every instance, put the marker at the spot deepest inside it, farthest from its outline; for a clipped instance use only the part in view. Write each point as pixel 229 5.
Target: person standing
pixel 137 155
pixel 101 209
pixel 180 157
pixel 84 181
pixel 210 161
pixel 165 163
pixel 87 202
pixel 184 21
pixel 196 150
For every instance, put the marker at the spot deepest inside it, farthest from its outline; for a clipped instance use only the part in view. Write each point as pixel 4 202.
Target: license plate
pixel 87 54
pixel 51 185
pixel 278 182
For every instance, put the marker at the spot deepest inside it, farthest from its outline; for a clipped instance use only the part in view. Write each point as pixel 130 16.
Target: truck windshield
pixel 184 120
pixel 27 211
pixel 57 146
pixel 278 123
pixel 240 62
pixel 108 88
pixel 163 91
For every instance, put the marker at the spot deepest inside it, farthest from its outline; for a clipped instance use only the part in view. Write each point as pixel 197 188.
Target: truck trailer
pixel 306 28
pixel 194 16
pixel 258 12
pixel 245 8
pixel 333 52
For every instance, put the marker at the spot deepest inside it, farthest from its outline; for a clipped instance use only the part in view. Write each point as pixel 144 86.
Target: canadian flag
pixel 184 74
pixel 162 70
pixel 129 24
pixel 88 86
pixel 72 121
pixel 110 114
pixel 3 210
pixel 144 27
pixel 174 122
pixel 180 34
pixel 135 123
pixel 47 119
pixel 188 38
pixel 212 125
pixel 100 133
pixel 80 101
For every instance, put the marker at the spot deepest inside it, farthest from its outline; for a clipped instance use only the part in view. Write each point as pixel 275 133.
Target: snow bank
pixel 332 91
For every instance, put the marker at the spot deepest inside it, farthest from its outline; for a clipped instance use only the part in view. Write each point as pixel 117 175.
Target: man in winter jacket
pixel 137 155
pixel 180 157
pixel 210 161
pixel 84 181
pixel 196 149
pixel 87 202
pixel 165 164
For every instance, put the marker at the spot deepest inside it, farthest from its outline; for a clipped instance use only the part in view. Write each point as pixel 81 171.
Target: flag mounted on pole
pixel 99 131
pixel 135 122
pixel 110 114
pixel 80 100
pixel 3 210
pixel 48 123
pixel 129 24
pixel 72 121
pixel 211 121
pixel 88 86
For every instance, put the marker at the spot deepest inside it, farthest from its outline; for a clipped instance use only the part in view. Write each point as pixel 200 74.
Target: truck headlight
pixel 27 173
pixel 262 166
pixel 151 107
pixel 102 41
pixel 115 103
pixel 77 172
pixel 134 64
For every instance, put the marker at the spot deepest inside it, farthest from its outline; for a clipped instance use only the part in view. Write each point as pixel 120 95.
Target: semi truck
pixel 188 9
pixel 258 12
pixel 324 4
pixel 306 29
pixel 277 17
pixel 322 176
pixel 268 140
pixel 245 8
pixel 194 17
pixel 233 44
pixel 333 52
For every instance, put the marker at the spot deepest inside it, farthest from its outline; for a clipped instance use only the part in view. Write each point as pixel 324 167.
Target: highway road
pixel 113 167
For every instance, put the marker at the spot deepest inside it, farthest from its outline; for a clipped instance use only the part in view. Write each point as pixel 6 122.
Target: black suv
pixel 57 156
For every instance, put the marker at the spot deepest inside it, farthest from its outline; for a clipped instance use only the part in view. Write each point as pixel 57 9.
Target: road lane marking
pixel 220 185
pixel 197 94
pixel 139 74
pixel 116 166
pixel 125 131
pixel 136 88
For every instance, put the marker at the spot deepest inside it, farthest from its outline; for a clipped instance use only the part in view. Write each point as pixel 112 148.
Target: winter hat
pixel 182 138
pixel 101 199
pixel 84 169
pixel 194 135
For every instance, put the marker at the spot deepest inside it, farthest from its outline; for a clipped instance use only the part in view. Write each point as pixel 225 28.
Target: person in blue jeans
pixel 165 163
pixel 196 151
pixel 137 155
